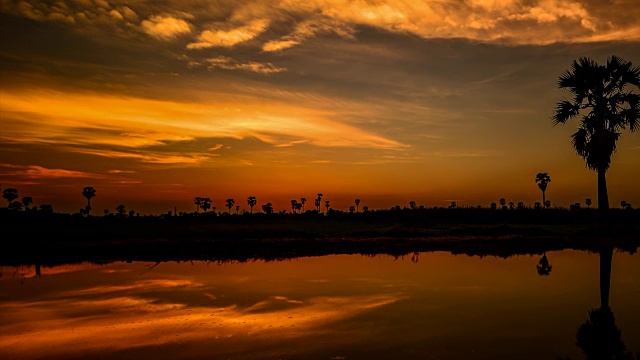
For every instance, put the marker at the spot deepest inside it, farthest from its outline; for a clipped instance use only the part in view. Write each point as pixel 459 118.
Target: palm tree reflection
pixel 543 267
pixel 599 337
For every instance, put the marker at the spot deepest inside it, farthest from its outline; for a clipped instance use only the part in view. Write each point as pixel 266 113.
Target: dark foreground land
pixel 54 239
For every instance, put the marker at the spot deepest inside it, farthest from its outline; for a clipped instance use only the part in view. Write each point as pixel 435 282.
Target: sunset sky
pixel 156 102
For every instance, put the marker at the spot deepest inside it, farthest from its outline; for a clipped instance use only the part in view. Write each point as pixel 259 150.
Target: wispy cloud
pixel 39 172
pixel 229 37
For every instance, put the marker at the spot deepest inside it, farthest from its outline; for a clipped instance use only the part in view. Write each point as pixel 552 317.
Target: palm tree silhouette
pixel 319 201
pixel 587 202
pixel 327 205
pixel 237 209
pixel 357 202
pixel 412 204
pixel 352 209
pixel 27 201
pixel 293 206
pixel 230 203
pixel 503 203
pixel 267 208
pixel 89 192
pixel 605 104
pixel 251 201
pixel 302 202
pixel 198 202
pixel 543 179
pixel 10 194
pixel 205 204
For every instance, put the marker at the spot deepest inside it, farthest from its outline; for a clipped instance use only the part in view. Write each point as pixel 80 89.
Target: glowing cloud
pixel 165 27
pixel 231 37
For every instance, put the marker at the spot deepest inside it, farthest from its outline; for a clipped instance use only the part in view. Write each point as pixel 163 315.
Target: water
pixel 443 306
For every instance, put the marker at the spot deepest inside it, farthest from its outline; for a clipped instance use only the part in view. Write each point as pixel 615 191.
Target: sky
pixel 154 103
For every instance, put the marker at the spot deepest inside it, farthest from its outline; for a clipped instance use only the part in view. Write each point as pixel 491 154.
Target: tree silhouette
pixel 365 209
pixel 352 209
pixel 543 179
pixel 121 210
pixel 605 104
pixel 547 204
pixel 302 202
pixel 237 209
pixel 198 202
pixel 27 201
pixel 251 201
pixel 267 208
pixel 205 204
pixel 230 203
pixel 10 194
pixel 503 203
pixel 412 204
pixel 511 204
pixel 327 205
pixel 319 201
pixel 587 202
pixel 88 192
pixel 357 202
pixel 543 266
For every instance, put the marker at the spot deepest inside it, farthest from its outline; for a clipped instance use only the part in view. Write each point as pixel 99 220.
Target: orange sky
pixel 156 103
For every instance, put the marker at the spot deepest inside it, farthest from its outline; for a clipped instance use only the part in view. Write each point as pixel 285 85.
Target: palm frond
pixel 565 110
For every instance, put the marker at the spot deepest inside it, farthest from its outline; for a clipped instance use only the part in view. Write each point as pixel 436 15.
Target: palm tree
pixel 587 202
pixel 603 100
pixel 237 209
pixel 357 202
pixel 230 203
pixel 319 201
pixel 543 179
pixel 27 201
pixel 10 194
pixel 251 201
pixel 302 201
pixel 205 204
pixel 365 209
pixel 412 204
pixel 511 204
pixel 547 204
pixel 503 203
pixel 327 205
pixel 89 192
pixel 198 202
pixel 267 208
pixel 352 209
pixel 121 210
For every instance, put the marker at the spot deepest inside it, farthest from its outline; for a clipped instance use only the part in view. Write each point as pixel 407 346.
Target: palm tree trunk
pixel 606 257
pixel 603 196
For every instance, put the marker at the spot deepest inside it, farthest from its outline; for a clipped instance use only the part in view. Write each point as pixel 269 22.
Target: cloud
pixel 229 37
pixel 226 63
pixel 307 29
pixel 39 172
pixel 165 27
pixel 139 129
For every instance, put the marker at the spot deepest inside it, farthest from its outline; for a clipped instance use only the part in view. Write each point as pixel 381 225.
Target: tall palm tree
pixel 251 201
pixel 230 203
pixel 543 179
pixel 604 102
pixel 327 205
pixel 357 201
pixel 302 201
pixel 89 192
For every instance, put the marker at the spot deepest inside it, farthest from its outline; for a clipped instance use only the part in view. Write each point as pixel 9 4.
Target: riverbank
pixel 58 238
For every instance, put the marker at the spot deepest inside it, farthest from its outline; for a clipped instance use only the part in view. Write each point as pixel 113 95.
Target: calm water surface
pixel 443 306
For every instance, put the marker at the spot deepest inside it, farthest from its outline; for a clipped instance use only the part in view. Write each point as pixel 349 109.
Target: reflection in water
pixel 352 307
pixel 599 337
pixel 544 269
